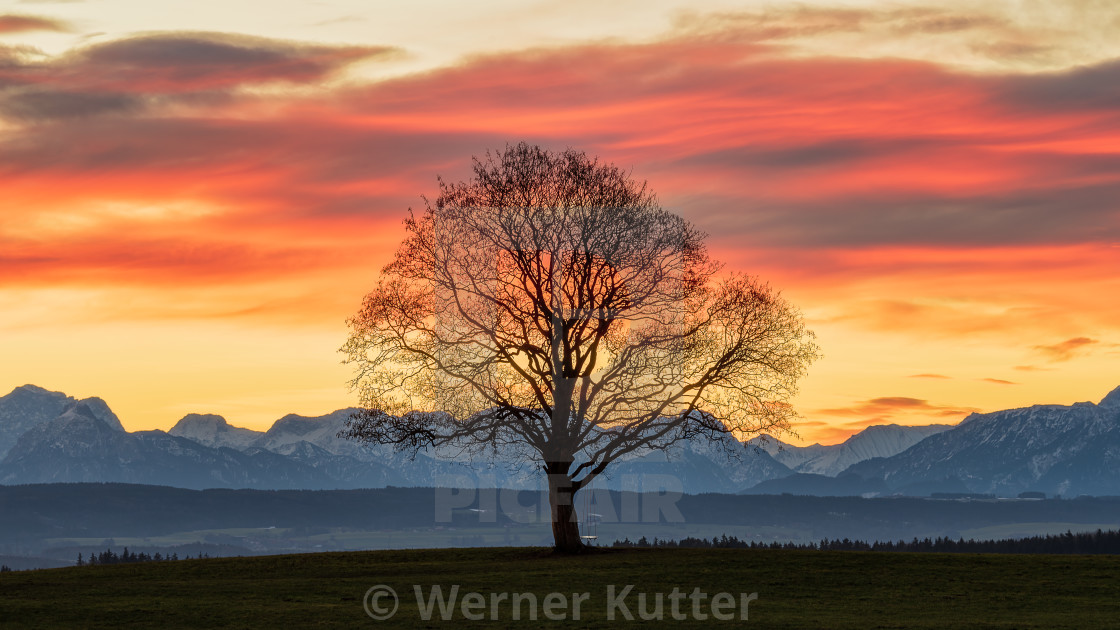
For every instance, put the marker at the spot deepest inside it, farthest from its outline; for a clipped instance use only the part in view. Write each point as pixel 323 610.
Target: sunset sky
pixel 196 195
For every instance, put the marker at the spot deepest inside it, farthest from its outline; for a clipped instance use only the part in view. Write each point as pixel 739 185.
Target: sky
pixel 197 195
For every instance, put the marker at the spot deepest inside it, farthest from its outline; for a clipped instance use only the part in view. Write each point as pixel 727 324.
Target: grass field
pixel 795 589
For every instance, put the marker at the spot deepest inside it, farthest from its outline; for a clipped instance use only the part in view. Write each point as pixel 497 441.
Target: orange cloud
pixel 194 176
pixel 23 23
pixel 891 403
pixel 858 180
pixel 1067 349
pixel 950 219
pixel 884 410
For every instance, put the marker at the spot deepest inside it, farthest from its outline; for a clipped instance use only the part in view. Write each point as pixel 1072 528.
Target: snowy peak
pixel 26 407
pixel 890 439
pixel 322 431
pixel 77 433
pixel 830 460
pixel 1112 400
pixel 35 390
pixel 100 409
pixel 213 431
pixel 787 454
pixel 874 441
pixel 1067 450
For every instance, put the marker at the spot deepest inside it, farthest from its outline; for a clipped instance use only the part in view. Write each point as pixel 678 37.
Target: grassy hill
pixel 795 589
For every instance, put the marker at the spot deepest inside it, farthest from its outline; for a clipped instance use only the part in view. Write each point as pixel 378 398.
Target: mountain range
pixel 1055 449
pixel 50 437
pixel 1051 449
pixel 881 440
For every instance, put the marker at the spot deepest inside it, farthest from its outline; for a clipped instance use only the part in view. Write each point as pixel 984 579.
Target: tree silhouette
pixel 548 308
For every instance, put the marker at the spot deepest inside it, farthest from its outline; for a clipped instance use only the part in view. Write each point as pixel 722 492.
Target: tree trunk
pixel 565 527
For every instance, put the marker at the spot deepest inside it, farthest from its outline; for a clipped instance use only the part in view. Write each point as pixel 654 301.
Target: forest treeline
pixel 1087 543
pixel 127 557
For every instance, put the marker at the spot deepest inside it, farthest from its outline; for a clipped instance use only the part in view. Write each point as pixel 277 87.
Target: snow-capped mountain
pixel 86 443
pixel 28 405
pixel 874 441
pixel 213 430
pixel 294 435
pixel 80 446
pixel 877 441
pixel 786 454
pixel 1066 450
pixel 698 466
pixel 1050 448
pixel 1111 401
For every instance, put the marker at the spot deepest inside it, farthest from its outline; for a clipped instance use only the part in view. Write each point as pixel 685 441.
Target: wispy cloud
pixel 990 37
pixel 1067 350
pixel 962 187
pixel 880 410
pixel 134 74
pixel 23 23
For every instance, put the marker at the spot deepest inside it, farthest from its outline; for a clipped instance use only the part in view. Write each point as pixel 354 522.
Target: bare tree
pixel 550 308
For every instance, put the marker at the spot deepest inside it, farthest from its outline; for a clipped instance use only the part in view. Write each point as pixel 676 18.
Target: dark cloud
pixel 1094 88
pixel 39 105
pixel 998 381
pixel 178 61
pixel 820 154
pixel 130 74
pixel 1064 214
pixel 941 376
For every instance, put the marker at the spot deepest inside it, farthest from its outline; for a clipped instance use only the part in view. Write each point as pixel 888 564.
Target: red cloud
pixel 815 172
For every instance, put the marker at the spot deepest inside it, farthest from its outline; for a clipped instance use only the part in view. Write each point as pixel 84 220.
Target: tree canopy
pixel 550 308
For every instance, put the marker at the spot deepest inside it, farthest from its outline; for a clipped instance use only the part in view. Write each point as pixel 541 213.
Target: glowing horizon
pixel 196 199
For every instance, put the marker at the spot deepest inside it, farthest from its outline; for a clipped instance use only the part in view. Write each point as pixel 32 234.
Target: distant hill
pixel 33 514
pixel 811 484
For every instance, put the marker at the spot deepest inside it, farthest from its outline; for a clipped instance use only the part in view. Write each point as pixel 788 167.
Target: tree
pixel 549 308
